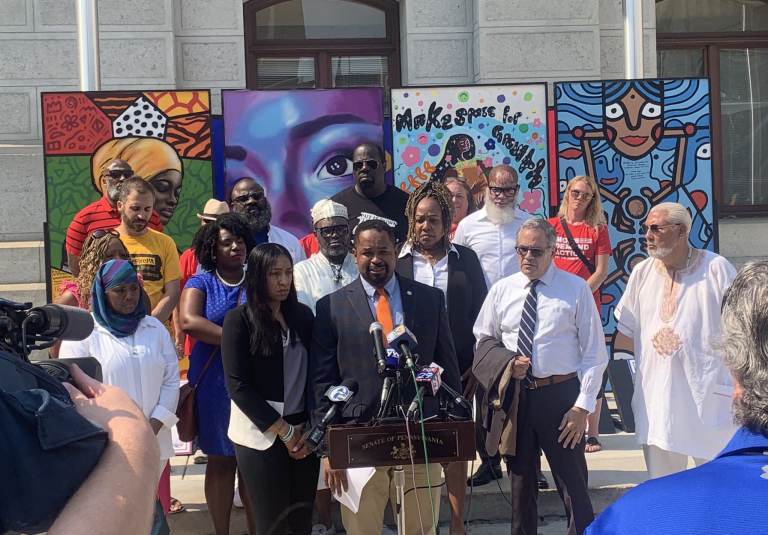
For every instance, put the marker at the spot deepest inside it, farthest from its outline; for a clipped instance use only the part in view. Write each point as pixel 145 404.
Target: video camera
pixel 47 449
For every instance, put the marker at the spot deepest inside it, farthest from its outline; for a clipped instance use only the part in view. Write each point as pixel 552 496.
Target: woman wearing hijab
pixel 152 159
pixel 135 352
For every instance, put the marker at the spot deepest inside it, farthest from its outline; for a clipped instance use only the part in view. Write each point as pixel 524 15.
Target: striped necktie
pixel 528 321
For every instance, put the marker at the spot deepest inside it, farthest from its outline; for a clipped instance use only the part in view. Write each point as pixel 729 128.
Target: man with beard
pixel 342 348
pixel 152 253
pixel 371 197
pixel 669 318
pixel 333 267
pixel 100 214
pixel 490 232
pixel 249 199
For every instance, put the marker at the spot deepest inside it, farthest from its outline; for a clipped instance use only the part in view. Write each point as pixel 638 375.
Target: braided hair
pixel 437 191
pixel 92 257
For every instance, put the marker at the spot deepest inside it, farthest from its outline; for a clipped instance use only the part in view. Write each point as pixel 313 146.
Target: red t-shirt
pixel 188 266
pixel 591 241
pixel 97 215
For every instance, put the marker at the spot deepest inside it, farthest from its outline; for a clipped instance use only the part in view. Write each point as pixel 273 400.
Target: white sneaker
pixel 320 529
pixel 237 501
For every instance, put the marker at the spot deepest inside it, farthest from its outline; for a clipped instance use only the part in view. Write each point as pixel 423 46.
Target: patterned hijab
pixel 111 274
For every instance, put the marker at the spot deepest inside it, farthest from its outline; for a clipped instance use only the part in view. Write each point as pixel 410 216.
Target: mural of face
pixel 633 124
pixel 167 192
pixel 298 144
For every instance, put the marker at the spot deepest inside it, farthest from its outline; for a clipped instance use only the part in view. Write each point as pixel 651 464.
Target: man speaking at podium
pixel 342 348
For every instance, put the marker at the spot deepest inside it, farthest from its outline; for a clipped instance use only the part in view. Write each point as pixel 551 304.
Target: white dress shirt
pixel 314 278
pixel 493 243
pixel 432 275
pixel 143 364
pixel 569 334
pixel 287 240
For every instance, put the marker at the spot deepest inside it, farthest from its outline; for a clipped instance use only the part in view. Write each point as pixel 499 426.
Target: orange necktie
pixel 383 311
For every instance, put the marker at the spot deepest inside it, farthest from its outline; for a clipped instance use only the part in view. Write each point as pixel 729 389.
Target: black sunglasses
pixel 372 164
pixel 511 191
pixel 120 173
pixel 338 230
pixel 100 233
pixel 242 199
pixel 655 228
pixel 535 251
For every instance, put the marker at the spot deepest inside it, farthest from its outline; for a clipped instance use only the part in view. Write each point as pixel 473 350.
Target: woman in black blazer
pixel 429 257
pixel 264 351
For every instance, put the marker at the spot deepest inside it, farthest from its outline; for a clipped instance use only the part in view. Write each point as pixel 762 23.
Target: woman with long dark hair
pixel 264 349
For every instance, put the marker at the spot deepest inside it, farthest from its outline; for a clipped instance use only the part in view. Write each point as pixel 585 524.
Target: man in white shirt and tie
pixel 546 321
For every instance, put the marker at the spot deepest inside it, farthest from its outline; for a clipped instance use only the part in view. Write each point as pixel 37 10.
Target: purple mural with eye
pixel 298 144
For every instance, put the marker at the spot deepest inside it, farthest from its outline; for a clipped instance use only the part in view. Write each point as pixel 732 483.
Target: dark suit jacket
pixel 466 293
pixel 342 347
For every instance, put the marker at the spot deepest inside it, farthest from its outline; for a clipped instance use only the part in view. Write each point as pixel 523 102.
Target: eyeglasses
pixel 255 196
pixel 119 174
pixel 100 233
pixel 327 232
pixel 576 195
pixel 654 229
pixel 510 191
pixel 371 164
pixel 535 251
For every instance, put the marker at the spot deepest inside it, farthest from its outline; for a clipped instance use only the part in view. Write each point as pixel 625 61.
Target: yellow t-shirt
pixel 155 257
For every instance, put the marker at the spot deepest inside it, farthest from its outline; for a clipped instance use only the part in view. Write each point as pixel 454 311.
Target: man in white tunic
pixel 669 318
pixel 333 267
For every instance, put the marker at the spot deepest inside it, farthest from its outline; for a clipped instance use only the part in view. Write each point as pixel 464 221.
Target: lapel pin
pixel 409 292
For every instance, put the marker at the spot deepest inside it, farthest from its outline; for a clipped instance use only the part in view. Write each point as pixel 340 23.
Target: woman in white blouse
pixel 135 350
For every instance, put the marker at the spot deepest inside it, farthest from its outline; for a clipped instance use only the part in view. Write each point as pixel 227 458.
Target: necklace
pixel 231 285
pixel 336 271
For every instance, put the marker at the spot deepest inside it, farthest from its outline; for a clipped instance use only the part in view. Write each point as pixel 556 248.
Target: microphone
pixel 377 332
pixel 338 395
pixel 59 321
pixel 458 399
pixel 428 382
pixel 403 340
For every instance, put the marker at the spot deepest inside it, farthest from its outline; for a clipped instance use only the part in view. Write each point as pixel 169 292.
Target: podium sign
pixel 388 445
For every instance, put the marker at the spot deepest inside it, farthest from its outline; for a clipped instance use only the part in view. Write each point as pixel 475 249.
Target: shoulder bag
pixel 575 247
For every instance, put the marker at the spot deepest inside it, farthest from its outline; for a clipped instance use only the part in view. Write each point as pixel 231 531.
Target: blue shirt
pixel 726 496
pixel 392 288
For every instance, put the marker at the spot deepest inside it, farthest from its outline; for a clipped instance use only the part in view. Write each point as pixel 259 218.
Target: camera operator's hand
pixel 125 480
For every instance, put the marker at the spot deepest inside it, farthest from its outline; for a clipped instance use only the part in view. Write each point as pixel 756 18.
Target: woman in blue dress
pixel 221 247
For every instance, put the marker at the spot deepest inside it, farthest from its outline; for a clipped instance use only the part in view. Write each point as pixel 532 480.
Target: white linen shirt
pixel 569 334
pixel 143 364
pixel 287 240
pixel 493 243
pixel 426 273
pixel 682 396
pixel 313 278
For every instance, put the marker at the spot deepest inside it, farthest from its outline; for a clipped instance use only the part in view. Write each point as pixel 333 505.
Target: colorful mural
pixel 645 142
pixel 298 144
pixel 155 131
pixel 469 130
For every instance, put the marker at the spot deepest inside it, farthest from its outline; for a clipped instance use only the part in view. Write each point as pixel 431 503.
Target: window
pixel 726 40
pixel 322 44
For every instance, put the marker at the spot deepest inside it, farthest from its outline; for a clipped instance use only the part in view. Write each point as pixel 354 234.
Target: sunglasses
pixel 580 195
pixel 335 230
pixel 654 229
pixel 371 164
pixel 100 233
pixel 511 191
pixel 535 251
pixel 119 174
pixel 242 199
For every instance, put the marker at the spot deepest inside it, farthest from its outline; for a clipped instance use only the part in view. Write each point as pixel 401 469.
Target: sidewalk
pixel 612 472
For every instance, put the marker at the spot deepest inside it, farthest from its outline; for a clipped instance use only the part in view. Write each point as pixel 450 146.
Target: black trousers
pixel 539 416
pixel 281 490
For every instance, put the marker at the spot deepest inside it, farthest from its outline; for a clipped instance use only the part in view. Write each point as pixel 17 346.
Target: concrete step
pixel 613 471
pixel 22 262
pixel 33 292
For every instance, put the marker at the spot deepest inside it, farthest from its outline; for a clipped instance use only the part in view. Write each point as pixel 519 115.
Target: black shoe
pixel 542 481
pixel 485 474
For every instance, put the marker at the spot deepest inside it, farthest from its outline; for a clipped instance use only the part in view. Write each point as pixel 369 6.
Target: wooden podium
pixel 355 446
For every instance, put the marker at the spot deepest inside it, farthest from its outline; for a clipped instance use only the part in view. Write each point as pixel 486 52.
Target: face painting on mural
pixel 90 138
pixel 469 131
pixel 298 144
pixel 644 142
